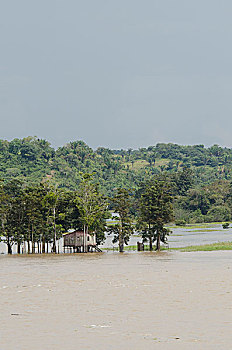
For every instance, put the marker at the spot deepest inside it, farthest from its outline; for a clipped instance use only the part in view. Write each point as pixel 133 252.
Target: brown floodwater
pixel 116 301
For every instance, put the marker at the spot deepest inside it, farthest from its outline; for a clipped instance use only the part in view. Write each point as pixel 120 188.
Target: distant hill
pixel 32 159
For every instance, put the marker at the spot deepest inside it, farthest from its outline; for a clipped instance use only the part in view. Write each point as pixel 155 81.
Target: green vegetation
pixel 40 189
pixel 155 210
pixel 200 177
pixel 225 225
pixel 206 247
pixel 202 226
pixel 204 230
pixel 37 215
pixel 123 228
pixel 92 207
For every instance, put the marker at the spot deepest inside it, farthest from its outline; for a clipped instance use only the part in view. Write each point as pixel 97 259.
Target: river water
pixel 184 236
pixel 168 300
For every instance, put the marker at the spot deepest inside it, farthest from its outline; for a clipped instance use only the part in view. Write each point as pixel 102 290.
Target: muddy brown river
pixel 116 301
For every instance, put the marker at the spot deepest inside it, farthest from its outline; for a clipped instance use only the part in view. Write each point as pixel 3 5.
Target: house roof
pixel 78 232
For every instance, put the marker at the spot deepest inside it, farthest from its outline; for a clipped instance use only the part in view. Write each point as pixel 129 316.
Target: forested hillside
pixel 201 176
pixel 32 159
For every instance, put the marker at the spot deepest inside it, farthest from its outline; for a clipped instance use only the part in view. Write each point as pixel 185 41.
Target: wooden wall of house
pixel 75 239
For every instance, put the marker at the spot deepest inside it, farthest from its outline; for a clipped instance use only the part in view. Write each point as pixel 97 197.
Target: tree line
pixel 34 217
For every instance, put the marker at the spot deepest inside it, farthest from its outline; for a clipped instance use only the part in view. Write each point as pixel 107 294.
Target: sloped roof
pixel 78 232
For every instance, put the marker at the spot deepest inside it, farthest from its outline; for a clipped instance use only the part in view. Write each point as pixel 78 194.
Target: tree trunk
pixel 9 247
pixel 18 247
pixel 54 247
pixel 158 241
pixel 84 240
pixel 28 247
pixel 32 240
pixel 150 243
pixel 150 237
pixel 54 225
pixel 121 247
pixel 121 242
pixel 43 244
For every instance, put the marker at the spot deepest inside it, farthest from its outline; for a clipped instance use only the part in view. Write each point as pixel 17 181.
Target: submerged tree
pixel 123 229
pixel 155 210
pixel 92 207
pixel 50 202
pixel 11 213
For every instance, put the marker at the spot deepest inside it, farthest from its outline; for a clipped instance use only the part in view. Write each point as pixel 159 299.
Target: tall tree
pixel 155 210
pixel 183 180
pixel 36 216
pixel 4 214
pixel 51 204
pixel 92 207
pixel 123 229
pixel 11 213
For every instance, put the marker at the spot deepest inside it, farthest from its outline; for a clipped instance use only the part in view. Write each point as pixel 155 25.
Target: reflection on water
pixel 112 301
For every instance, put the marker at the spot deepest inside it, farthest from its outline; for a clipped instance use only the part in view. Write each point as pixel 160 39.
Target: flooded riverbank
pixel 111 301
pixel 185 236
pixel 180 237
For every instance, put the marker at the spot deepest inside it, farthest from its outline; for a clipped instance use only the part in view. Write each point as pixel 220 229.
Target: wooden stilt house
pixel 78 242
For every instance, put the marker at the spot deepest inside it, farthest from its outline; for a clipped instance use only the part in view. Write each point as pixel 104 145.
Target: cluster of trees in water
pixel 35 216
pixel 200 177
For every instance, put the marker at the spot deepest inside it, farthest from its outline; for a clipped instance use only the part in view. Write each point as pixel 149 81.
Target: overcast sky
pixel 119 74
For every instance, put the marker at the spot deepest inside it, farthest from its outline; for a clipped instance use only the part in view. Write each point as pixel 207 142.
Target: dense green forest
pixel 201 177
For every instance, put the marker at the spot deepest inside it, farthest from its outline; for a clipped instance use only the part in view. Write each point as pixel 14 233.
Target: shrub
pixel 180 222
pixel 218 213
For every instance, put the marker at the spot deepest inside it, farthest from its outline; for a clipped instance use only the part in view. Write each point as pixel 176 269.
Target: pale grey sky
pixel 119 74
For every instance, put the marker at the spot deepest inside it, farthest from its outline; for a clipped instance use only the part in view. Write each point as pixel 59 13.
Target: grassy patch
pixel 210 225
pixel 206 247
pixel 161 162
pixel 111 222
pixel 141 163
pixel 138 164
pixel 203 230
